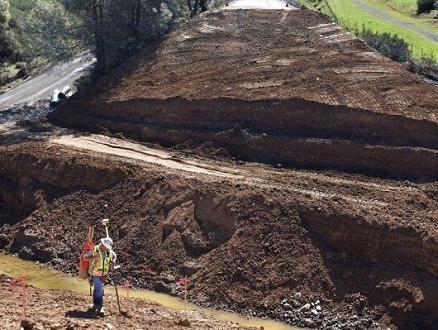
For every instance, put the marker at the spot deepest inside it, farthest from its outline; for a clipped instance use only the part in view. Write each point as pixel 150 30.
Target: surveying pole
pixel 105 224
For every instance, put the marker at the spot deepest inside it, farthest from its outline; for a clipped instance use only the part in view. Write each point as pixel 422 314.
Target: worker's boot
pixel 100 311
pixel 93 308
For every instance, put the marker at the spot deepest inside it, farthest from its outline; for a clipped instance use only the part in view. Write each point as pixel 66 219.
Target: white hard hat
pixel 107 242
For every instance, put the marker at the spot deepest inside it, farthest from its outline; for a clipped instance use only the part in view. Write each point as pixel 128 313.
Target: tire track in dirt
pixel 260 175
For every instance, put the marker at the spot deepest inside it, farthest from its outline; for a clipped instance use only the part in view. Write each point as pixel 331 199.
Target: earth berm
pixel 281 164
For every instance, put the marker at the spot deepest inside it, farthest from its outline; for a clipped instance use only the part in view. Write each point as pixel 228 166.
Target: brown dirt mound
pixel 286 87
pixel 249 236
pixel 227 91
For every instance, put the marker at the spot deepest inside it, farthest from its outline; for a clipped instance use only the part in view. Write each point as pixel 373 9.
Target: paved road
pixel 41 87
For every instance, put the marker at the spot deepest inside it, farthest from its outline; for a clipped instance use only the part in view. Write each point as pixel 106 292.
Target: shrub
pixel 390 46
pixel 424 6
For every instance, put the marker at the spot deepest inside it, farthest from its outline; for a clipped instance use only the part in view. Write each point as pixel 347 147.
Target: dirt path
pixel 257 175
pixel 136 152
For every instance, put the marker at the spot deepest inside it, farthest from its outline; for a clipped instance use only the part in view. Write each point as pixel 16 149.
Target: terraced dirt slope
pixel 277 86
pixel 283 87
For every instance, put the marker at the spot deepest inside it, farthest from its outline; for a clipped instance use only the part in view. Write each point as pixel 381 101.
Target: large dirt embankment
pixel 283 87
pixel 303 134
pixel 249 237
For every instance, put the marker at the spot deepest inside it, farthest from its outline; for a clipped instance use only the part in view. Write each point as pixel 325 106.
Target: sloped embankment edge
pixel 25 175
pixel 305 133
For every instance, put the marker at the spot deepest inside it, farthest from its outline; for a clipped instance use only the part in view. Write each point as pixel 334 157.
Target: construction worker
pixel 102 259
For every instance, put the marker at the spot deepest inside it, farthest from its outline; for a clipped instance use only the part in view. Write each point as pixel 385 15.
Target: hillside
pixel 336 103
pixel 270 156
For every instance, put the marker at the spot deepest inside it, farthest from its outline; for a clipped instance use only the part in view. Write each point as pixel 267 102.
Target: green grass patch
pixel 8 72
pixel 404 7
pixel 11 70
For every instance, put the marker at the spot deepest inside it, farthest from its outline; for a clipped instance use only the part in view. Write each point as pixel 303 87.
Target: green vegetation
pixel 390 46
pixel 376 16
pixel 424 6
pixel 37 32
pixel 404 7
pixel 40 32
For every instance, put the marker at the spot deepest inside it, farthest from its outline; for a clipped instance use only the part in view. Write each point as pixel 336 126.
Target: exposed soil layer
pixel 271 86
pixel 252 238
pixel 345 220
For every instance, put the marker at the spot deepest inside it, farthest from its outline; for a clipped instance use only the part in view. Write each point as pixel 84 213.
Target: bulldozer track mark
pixel 132 152
pixel 183 37
pixel 207 28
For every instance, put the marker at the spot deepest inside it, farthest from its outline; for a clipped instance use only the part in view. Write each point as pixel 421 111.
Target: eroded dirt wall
pixel 29 179
pixel 277 117
pixel 326 236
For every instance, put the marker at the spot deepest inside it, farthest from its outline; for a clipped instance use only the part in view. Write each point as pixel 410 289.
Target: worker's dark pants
pixel 98 290
pixel 98 293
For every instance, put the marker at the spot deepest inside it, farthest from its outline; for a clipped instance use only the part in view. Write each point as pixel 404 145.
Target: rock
pixel 191 267
pixel 308 322
pixel 184 322
pixel 167 278
pixel 305 308
pixel 287 306
pixel 295 303
pixel 162 287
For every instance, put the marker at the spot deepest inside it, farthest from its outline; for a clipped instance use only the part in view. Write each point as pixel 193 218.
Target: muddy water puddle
pixel 45 278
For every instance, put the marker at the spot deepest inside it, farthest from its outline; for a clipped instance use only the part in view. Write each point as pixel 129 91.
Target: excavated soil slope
pixel 229 91
pixel 273 86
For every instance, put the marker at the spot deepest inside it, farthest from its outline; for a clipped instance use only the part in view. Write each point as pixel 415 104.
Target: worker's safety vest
pixel 101 266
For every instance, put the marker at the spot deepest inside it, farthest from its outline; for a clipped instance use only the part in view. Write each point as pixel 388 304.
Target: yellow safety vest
pixel 101 266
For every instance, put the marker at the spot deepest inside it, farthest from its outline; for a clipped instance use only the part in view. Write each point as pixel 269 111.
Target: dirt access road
pixel 291 174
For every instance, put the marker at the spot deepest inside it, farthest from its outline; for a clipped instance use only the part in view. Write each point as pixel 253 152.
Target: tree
pixel 47 31
pixel 5 16
pixel 425 6
pixel 5 44
pixel 122 27
pixel 194 10
pixel 97 18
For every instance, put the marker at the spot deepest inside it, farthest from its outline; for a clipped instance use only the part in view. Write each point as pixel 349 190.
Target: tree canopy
pixel 44 31
pixel 5 15
pixel 119 28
